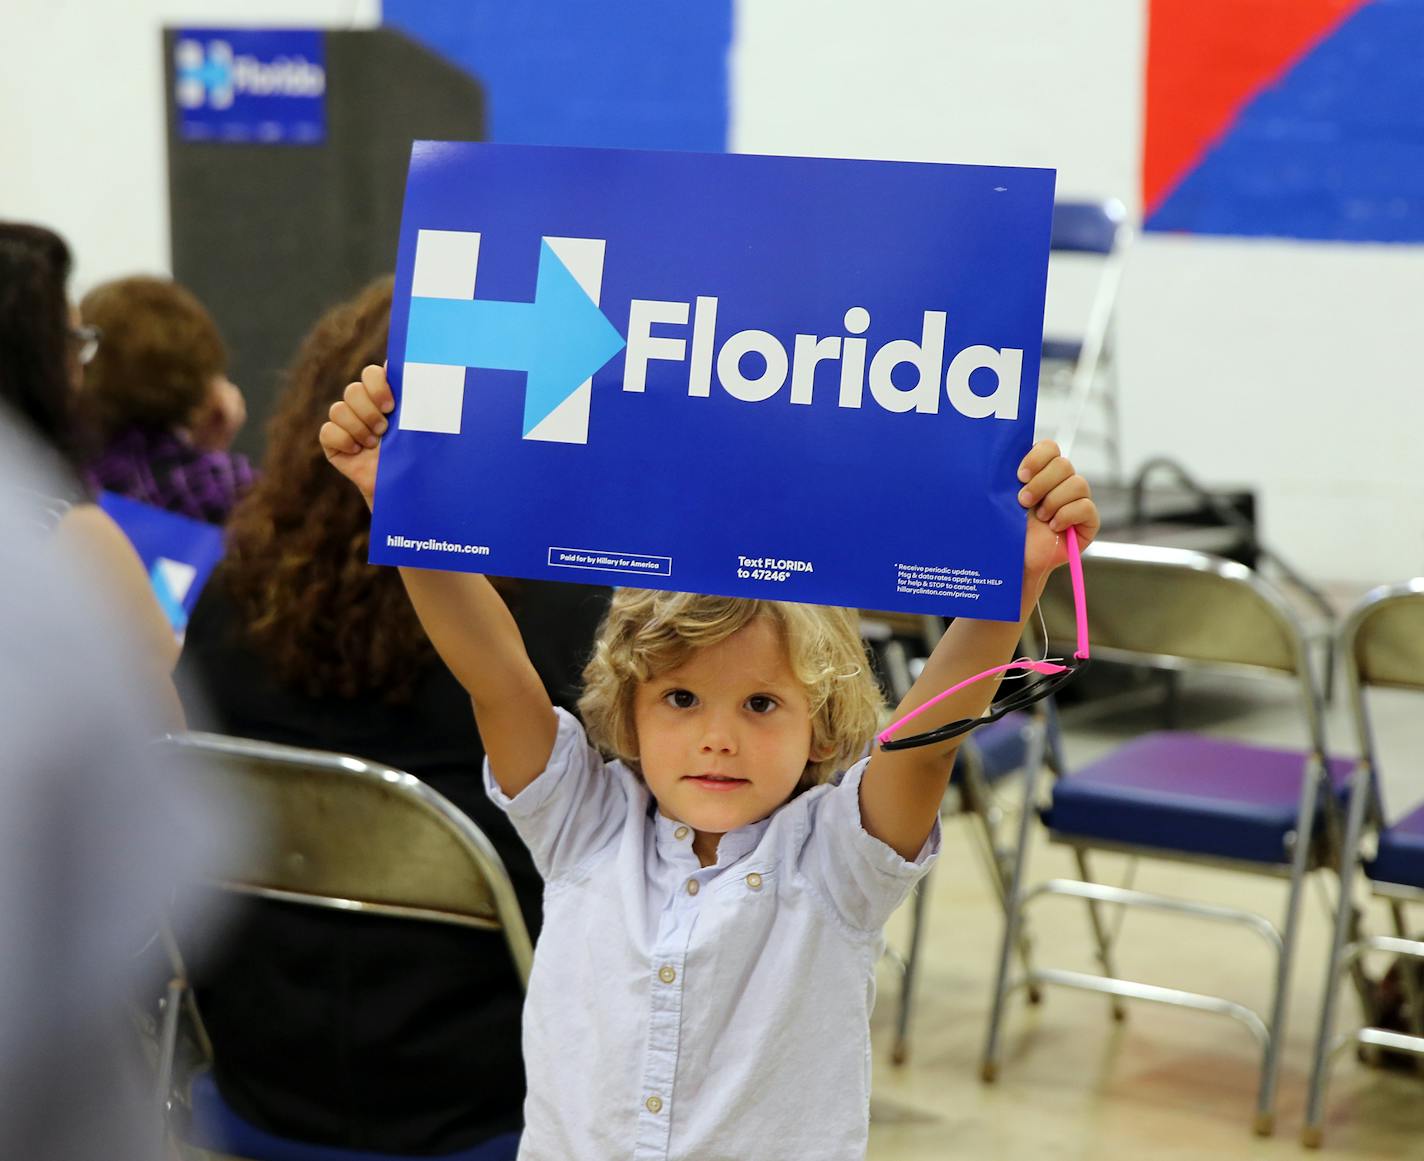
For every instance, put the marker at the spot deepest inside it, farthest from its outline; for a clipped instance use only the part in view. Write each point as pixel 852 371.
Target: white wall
pixel 82 141
pixel 1281 365
pixel 1286 366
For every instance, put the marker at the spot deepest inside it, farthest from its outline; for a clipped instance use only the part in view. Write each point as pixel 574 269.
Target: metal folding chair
pixel 1382 646
pixel 1082 368
pixel 339 832
pixel 1178 795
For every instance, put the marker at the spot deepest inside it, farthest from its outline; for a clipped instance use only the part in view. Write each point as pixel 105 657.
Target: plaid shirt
pixel 163 469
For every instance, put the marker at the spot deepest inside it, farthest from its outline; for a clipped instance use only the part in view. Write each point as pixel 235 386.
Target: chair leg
pixel 1171 699
pixel 1112 408
pixel 1013 912
pixel 168 1048
pixel 1101 938
pixel 1051 724
pixel 1312 1134
pixel 901 1051
pixel 1271 1065
pixel 998 861
pixel 1409 982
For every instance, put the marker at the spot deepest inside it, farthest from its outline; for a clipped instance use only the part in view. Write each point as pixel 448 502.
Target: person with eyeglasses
pixel 157 395
pixel 42 346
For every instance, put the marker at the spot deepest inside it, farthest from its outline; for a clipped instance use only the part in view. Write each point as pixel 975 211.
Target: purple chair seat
pixel 1062 350
pixel 217 1127
pixel 1400 858
pixel 1189 793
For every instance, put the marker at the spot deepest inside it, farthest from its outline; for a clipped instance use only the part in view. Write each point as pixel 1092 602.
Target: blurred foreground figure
pixel 42 354
pixel 95 840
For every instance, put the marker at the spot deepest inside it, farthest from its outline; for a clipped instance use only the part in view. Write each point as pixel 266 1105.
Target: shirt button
pixel 654 1104
pixel 692 887
pixel 680 833
pixel 667 974
pixel 754 881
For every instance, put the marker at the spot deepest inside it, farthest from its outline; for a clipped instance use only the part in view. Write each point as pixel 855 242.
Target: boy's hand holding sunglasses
pixel 1058 499
pixel 1062 520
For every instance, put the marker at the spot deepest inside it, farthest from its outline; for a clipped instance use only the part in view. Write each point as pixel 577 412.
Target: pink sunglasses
pixel 1054 676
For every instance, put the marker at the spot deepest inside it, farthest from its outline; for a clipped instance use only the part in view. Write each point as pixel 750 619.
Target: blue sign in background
pixel 250 86
pixel 905 511
pixel 179 552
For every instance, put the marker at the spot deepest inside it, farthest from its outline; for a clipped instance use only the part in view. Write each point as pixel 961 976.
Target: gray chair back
pixel 1174 608
pixel 1381 645
pixel 341 832
pixel 1382 640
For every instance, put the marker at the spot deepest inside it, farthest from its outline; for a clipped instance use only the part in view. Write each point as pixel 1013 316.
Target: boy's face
pixel 724 738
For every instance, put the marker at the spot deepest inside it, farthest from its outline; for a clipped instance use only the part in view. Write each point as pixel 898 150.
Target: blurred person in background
pixel 328 1027
pixel 159 400
pixel 43 347
pixel 97 838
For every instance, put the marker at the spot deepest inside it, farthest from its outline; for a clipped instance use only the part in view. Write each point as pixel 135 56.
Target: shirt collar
pixel 674 838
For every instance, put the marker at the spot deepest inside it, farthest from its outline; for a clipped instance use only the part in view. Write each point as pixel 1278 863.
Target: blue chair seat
pixel 1400 857
pixel 1002 747
pixel 217 1127
pixel 1188 793
pixel 1062 350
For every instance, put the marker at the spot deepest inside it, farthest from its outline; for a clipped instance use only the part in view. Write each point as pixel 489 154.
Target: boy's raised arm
pixel 901 791
pixel 466 620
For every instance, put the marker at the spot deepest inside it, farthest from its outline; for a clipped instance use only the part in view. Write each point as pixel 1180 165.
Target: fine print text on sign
pixel 793 378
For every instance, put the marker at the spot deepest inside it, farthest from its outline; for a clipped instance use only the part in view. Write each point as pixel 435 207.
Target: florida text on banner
pixel 794 378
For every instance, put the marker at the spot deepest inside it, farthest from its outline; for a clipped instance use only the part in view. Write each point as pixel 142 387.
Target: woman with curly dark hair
pixel 345 1029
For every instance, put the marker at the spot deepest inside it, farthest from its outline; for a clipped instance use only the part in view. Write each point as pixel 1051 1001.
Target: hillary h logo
pixel 560 340
pixel 214 72
pixel 204 75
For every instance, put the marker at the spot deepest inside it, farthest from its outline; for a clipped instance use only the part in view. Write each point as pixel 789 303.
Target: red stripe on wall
pixel 1206 59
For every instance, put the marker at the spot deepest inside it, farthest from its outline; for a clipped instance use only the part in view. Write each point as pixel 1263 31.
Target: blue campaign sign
pixel 262 86
pixel 793 378
pixel 180 553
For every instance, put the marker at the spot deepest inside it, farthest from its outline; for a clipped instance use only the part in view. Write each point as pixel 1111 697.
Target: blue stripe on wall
pixel 1335 151
pixel 646 74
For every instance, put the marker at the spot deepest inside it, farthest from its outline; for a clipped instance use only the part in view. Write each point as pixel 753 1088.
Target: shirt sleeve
pixel 861 878
pixel 574 809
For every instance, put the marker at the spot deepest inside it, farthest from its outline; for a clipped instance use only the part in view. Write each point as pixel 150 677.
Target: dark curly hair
pixel 160 353
pixel 34 334
pixel 329 623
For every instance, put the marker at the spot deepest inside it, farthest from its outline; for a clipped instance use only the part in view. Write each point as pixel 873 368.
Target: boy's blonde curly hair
pixel 649 631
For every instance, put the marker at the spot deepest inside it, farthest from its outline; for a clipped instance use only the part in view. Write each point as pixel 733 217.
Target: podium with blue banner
pixel 268 127
pixel 791 378
pixel 179 553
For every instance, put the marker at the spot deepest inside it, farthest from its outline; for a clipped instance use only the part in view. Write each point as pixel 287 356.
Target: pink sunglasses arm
pixel 1080 598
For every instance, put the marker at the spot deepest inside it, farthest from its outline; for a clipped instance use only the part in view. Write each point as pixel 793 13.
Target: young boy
pixel 713 906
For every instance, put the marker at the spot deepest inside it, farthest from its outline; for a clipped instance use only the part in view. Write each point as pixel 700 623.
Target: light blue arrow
pixel 168 600
pixel 560 339
pixel 212 74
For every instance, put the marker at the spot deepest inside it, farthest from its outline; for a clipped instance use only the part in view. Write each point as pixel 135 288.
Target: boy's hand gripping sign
pixel 792 378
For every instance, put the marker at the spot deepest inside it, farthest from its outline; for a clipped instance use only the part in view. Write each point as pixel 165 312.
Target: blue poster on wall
pixel 793 378
pixel 250 86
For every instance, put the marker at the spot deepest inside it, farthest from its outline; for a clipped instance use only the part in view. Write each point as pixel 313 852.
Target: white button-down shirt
pixel 699 1013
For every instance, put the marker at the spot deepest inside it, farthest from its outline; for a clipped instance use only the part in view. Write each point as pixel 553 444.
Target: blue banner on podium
pixel 793 378
pixel 179 552
pixel 263 86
